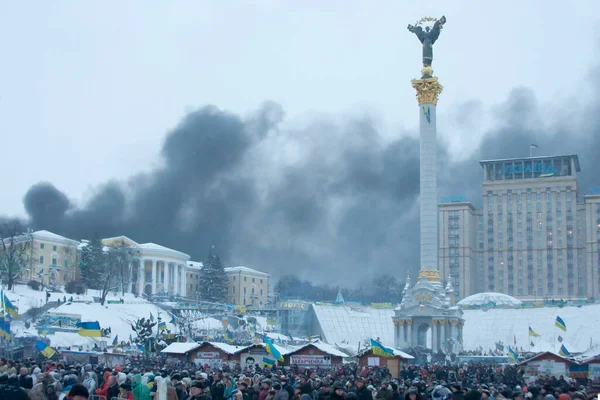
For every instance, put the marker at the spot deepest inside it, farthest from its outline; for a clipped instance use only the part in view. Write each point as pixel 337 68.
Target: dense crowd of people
pixel 159 379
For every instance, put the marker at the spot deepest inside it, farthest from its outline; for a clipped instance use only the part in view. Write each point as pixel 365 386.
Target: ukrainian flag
pixel 229 336
pixel 512 354
pixel 162 326
pixel 380 350
pixel 270 347
pixel 8 306
pixel 89 329
pixel 268 361
pixel 46 350
pixel 499 346
pixel 563 351
pixel 534 146
pixel 560 324
pixel 116 341
pixel 532 333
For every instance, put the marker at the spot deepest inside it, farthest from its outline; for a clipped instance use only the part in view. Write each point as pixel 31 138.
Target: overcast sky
pixel 89 89
pixel 323 180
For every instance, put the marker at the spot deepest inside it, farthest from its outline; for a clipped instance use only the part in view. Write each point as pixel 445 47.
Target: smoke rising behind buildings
pixel 329 201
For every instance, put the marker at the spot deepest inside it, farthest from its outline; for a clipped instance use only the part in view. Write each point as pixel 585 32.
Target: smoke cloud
pixel 330 201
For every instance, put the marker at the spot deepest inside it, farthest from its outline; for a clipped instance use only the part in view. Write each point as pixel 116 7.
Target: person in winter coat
pixel 362 393
pixel 412 394
pixel 161 386
pixel 140 390
pixel 89 382
pixel 101 391
pixel 11 391
pixel 384 393
pixel 264 390
pixel 125 391
pixel 338 392
pixel 78 392
pixel 217 389
pixel 279 393
pixel 113 389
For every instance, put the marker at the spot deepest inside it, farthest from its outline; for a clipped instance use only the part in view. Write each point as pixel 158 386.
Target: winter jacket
pixel 12 392
pixel 281 395
pixel 364 394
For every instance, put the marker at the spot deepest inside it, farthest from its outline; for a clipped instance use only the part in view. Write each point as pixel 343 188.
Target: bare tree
pixel 16 249
pixel 386 287
pixel 122 257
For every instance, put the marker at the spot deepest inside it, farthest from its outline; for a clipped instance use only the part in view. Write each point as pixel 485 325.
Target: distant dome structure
pixel 489 299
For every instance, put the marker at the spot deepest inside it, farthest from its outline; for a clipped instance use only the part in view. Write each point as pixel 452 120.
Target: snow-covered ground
pixel 489 298
pixel 350 325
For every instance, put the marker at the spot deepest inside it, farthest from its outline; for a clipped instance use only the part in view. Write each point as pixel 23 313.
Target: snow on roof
pixel 543 354
pixel 354 324
pixel 195 264
pixel 325 348
pixel 283 350
pixel 180 348
pixel 153 247
pixel 396 352
pixel 47 235
pixel 228 348
pixel 490 298
pixel 245 270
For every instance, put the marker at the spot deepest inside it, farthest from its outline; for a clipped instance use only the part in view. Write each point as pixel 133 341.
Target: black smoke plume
pixel 332 202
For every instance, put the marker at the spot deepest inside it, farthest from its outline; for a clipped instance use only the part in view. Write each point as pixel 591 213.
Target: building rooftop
pixel 195 264
pixel 52 237
pixel 541 158
pixel 245 270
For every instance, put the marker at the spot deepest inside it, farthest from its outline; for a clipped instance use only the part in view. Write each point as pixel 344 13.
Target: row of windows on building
pixel 246 279
pixel 569 194
pixel 43 246
pixel 245 290
pixel 54 262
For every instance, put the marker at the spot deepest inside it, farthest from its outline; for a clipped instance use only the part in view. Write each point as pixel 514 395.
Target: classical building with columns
pixel 428 306
pixel 158 270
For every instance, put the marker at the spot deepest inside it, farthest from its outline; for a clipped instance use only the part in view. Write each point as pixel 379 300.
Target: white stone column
pixel 409 341
pixel 427 95
pixel 184 280
pixel 443 336
pixel 177 292
pixel 434 336
pixel 154 275
pixel 141 276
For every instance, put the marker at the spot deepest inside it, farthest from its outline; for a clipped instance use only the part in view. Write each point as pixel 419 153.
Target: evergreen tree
pixel 213 280
pixel 92 262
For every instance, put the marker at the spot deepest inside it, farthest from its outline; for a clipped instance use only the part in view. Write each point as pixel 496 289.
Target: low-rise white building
pixel 247 287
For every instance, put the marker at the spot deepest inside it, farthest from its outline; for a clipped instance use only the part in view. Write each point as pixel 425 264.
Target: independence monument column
pixel 428 89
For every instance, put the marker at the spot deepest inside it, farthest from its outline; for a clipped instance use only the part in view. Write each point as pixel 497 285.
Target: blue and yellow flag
pixel 229 336
pixel 512 354
pixel 9 307
pixel 46 350
pixel 116 341
pixel 532 333
pixel 270 347
pixel 534 146
pixel 89 329
pixel 563 351
pixel 162 326
pixel 380 350
pixel 268 361
pixel 499 346
pixel 560 324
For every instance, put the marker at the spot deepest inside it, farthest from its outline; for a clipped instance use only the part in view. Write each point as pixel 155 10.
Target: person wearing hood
pixel 338 392
pixel 140 390
pixel 385 393
pixel 412 394
pixel 89 382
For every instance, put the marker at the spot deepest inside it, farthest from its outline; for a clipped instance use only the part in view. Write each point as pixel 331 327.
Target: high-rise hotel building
pixel 536 236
